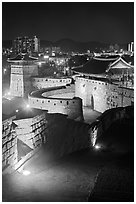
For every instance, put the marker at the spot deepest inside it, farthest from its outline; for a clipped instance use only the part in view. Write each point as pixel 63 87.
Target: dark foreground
pixel 80 177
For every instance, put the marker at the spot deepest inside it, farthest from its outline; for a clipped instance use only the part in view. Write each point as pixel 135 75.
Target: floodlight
pixel 26 172
pixel 97 146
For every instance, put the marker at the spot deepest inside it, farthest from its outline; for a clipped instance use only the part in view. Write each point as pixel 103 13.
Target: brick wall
pixel 9 143
pixel 66 135
pixel 41 83
pixel 32 131
pixel 101 96
pixel 72 107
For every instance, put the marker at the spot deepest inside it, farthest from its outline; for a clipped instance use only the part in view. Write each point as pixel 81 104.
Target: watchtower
pixel 22 68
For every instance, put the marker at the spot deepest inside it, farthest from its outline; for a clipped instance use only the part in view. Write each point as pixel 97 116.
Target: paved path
pixel 69 179
pixel 90 115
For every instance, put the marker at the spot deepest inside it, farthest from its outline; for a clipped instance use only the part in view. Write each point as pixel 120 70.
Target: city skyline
pixel 77 21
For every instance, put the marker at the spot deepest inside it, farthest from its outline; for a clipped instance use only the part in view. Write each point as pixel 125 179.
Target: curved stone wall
pixel 101 95
pixel 102 124
pixel 41 83
pixel 72 107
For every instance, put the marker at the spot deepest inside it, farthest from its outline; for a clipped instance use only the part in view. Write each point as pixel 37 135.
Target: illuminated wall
pixel 20 82
pixel 58 134
pixel 9 143
pixel 32 131
pixel 50 82
pixel 72 107
pixel 100 95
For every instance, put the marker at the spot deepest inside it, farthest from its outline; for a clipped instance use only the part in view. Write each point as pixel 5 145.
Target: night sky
pixel 103 22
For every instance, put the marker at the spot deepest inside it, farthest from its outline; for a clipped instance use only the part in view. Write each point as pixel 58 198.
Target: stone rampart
pixel 65 135
pixel 61 135
pixel 9 143
pixel 101 95
pixel 103 122
pixel 41 83
pixel 72 107
pixel 32 131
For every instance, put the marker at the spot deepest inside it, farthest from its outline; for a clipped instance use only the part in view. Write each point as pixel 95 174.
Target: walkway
pixel 70 179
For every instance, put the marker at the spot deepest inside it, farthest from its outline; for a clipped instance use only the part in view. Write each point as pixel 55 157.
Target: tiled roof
pixel 17 58
pixel 95 66
pixel 128 59
pixel 20 57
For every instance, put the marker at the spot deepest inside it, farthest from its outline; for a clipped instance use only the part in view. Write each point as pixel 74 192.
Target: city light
pixel 46 56
pixel 17 111
pixel 8 95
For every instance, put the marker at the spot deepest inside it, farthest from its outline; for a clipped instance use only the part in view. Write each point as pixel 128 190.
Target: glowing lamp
pixel 26 172
pixel 46 56
pixel 8 93
pixel 97 147
pixel 5 71
pixel 17 111
pixel 27 106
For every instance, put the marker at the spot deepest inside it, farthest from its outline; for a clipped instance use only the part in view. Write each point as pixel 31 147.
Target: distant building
pixel 114 68
pixel 26 45
pixel 52 51
pixel 131 47
pixel 121 70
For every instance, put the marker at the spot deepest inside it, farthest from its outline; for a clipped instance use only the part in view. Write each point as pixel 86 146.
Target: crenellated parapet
pixel 101 95
pixel 40 83
pixel 45 99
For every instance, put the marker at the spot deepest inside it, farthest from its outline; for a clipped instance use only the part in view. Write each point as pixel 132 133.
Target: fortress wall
pixel 65 135
pixel 70 107
pixel 9 143
pixel 32 131
pixel 30 69
pixel 106 119
pixel 58 91
pixel 58 134
pixel 41 83
pixel 16 85
pixel 20 83
pixel 90 91
pixel 101 96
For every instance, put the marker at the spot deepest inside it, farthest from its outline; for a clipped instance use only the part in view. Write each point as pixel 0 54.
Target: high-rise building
pixel 26 45
pixel 131 47
pixel 36 44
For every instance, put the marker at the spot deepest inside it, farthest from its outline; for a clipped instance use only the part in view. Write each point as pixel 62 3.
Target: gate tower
pixel 22 68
